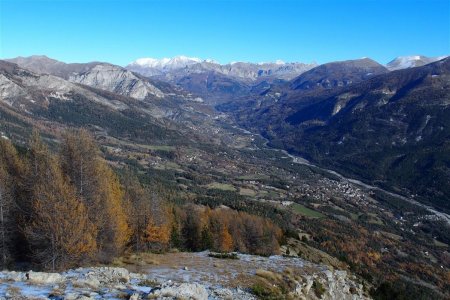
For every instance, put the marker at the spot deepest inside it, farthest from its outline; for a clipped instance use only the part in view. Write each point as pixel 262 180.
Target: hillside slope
pixel 392 130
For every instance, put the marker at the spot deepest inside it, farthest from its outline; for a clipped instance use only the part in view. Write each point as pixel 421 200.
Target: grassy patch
pixel 440 244
pixel 318 288
pixel 253 177
pixel 221 186
pixel 355 217
pixel 247 192
pixel 160 147
pixel 304 211
pixel 137 259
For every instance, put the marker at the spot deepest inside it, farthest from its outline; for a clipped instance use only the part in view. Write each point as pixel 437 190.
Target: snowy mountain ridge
pixel 173 67
pixel 411 61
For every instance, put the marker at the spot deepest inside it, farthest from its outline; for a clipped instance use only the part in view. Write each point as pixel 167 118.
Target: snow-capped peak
pixel 166 63
pixel 404 62
pixel 150 62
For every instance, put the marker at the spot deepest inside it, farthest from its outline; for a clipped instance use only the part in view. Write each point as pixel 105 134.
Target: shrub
pixel 319 289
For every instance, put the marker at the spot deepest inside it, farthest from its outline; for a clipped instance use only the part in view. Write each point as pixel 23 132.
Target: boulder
pixel 191 291
pixel 45 278
pixel 13 276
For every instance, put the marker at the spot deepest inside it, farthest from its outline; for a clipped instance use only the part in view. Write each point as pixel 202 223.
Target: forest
pixel 69 207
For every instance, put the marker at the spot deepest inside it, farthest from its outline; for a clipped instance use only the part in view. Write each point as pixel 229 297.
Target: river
pixel 300 160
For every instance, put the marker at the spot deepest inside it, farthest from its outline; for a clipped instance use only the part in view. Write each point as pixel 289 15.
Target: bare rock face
pixel 99 75
pixel 329 285
pixel 117 80
pixel 192 291
pixel 24 89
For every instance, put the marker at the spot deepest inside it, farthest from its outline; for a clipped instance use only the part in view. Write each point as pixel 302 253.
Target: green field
pixel 304 211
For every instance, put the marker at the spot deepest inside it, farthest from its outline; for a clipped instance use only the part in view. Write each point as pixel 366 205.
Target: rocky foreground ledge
pixel 119 283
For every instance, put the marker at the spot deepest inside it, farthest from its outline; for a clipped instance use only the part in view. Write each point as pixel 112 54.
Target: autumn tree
pixel 99 188
pixel 158 236
pixel 226 240
pixel 58 231
pixel 159 227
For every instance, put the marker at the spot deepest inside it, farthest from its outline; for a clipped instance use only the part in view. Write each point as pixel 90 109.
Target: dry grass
pixel 269 275
pixel 140 259
pixel 14 291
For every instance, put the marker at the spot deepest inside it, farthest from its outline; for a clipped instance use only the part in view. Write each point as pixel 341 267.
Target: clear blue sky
pixel 246 30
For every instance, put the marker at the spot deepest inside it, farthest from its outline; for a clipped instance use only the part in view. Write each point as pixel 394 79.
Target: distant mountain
pixel 392 129
pixel 167 67
pixel 99 75
pixel 24 90
pixel 404 62
pixel 52 103
pixel 213 82
pixel 338 74
pixel 42 64
pixel 118 80
pixel 152 66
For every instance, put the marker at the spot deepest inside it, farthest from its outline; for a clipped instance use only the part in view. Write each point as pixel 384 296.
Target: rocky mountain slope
pixel 117 80
pixel 337 74
pixel 30 99
pixel 95 74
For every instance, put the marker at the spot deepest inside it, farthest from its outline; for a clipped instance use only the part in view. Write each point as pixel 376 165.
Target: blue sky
pixel 246 30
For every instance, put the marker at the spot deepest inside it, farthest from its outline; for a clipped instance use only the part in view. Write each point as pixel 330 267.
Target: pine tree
pixel 207 238
pixel 11 169
pixel 5 216
pixel 191 229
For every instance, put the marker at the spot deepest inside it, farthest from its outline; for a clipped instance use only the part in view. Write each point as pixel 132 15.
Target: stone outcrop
pixel 111 282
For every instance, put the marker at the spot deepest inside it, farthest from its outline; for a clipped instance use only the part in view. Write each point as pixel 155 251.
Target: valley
pixel 190 153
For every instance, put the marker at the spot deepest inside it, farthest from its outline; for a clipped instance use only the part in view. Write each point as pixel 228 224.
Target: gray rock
pixel 192 291
pixel 45 278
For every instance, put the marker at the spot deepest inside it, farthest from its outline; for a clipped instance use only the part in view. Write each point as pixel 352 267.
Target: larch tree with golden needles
pixel 59 231
pixel 115 231
pixel 226 240
pixel 159 227
pixel 100 189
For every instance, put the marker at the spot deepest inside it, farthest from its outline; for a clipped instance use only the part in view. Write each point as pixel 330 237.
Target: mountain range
pixel 183 66
pixel 390 128
pixel 366 147
pixel 384 124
